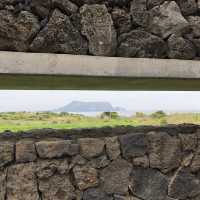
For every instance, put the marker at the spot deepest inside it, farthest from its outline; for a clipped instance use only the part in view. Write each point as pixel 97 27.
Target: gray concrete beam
pixel 63 64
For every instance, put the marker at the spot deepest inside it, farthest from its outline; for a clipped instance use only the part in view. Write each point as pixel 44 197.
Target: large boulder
pixel 3 176
pixel 98 27
pixel 164 151
pixel 17 31
pixel 184 185
pixel 85 177
pixel 22 182
pixel 139 43
pixel 133 145
pixel 59 36
pixel 91 147
pixel 54 181
pixel 166 19
pixel 188 7
pixel 116 177
pixel 149 184
pixel 180 48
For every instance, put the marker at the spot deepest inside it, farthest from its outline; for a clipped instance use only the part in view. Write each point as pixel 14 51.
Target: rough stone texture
pixel 184 185
pixel 90 147
pixel 180 48
pixel 6 153
pixel 98 27
pixel 121 20
pixel 52 149
pixel 85 177
pixel 21 182
pixel 166 19
pixel 141 162
pixel 133 163
pixel 3 174
pixel 149 184
pixel 16 32
pixel 59 36
pixel 164 151
pixel 139 43
pixel 140 15
pixel 96 194
pixel 133 145
pixel 188 7
pixel 112 147
pixel 25 151
pixel 116 177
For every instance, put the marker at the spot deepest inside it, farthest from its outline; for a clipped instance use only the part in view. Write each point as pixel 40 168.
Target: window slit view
pixel 26 110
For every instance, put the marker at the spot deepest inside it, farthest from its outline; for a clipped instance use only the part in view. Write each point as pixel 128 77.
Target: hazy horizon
pixel 144 101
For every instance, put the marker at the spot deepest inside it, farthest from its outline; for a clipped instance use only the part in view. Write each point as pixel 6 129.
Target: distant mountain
pixel 79 106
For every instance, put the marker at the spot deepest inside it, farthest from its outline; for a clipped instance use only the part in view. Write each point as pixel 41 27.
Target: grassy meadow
pixel 22 121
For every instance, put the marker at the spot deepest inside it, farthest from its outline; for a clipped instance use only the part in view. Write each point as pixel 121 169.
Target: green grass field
pixel 23 121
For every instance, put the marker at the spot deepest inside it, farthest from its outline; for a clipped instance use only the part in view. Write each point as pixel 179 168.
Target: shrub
pixel 159 114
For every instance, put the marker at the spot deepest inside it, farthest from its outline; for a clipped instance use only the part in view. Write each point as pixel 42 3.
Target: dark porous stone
pixel 164 151
pixel 139 12
pixel 180 48
pixel 59 36
pixel 98 28
pixel 149 184
pixel 41 8
pixel 122 20
pixel 139 43
pixel 6 153
pixel 66 6
pixel 56 149
pixel 16 32
pixel 152 3
pixel 188 7
pixel 25 151
pixel 96 194
pixel 116 177
pixel 184 185
pixel 133 145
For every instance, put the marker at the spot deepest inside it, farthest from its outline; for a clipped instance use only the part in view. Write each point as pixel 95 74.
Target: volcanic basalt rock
pixel 142 163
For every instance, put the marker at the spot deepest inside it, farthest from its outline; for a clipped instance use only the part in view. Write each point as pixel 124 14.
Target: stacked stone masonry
pixel 124 28
pixel 123 163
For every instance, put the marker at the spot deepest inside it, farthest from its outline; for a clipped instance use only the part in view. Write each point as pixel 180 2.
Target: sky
pixel 146 101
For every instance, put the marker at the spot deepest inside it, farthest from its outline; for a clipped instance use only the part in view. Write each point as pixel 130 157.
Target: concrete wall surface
pixel 64 64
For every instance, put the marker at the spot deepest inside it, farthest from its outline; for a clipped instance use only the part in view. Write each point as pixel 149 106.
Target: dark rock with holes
pixel 116 177
pixel 17 32
pixel 98 28
pixel 41 8
pixel 153 3
pixel 188 7
pixel 66 6
pixel 149 184
pixel 164 151
pixel 59 36
pixel 139 43
pixel 133 145
pixel 122 20
pixel 139 12
pixel 180 48
pixel 184 185
pixel 6 153
pixel 96 194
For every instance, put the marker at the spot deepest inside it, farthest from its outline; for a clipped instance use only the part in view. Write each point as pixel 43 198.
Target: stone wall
pixel 123 163
pixel 125 28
